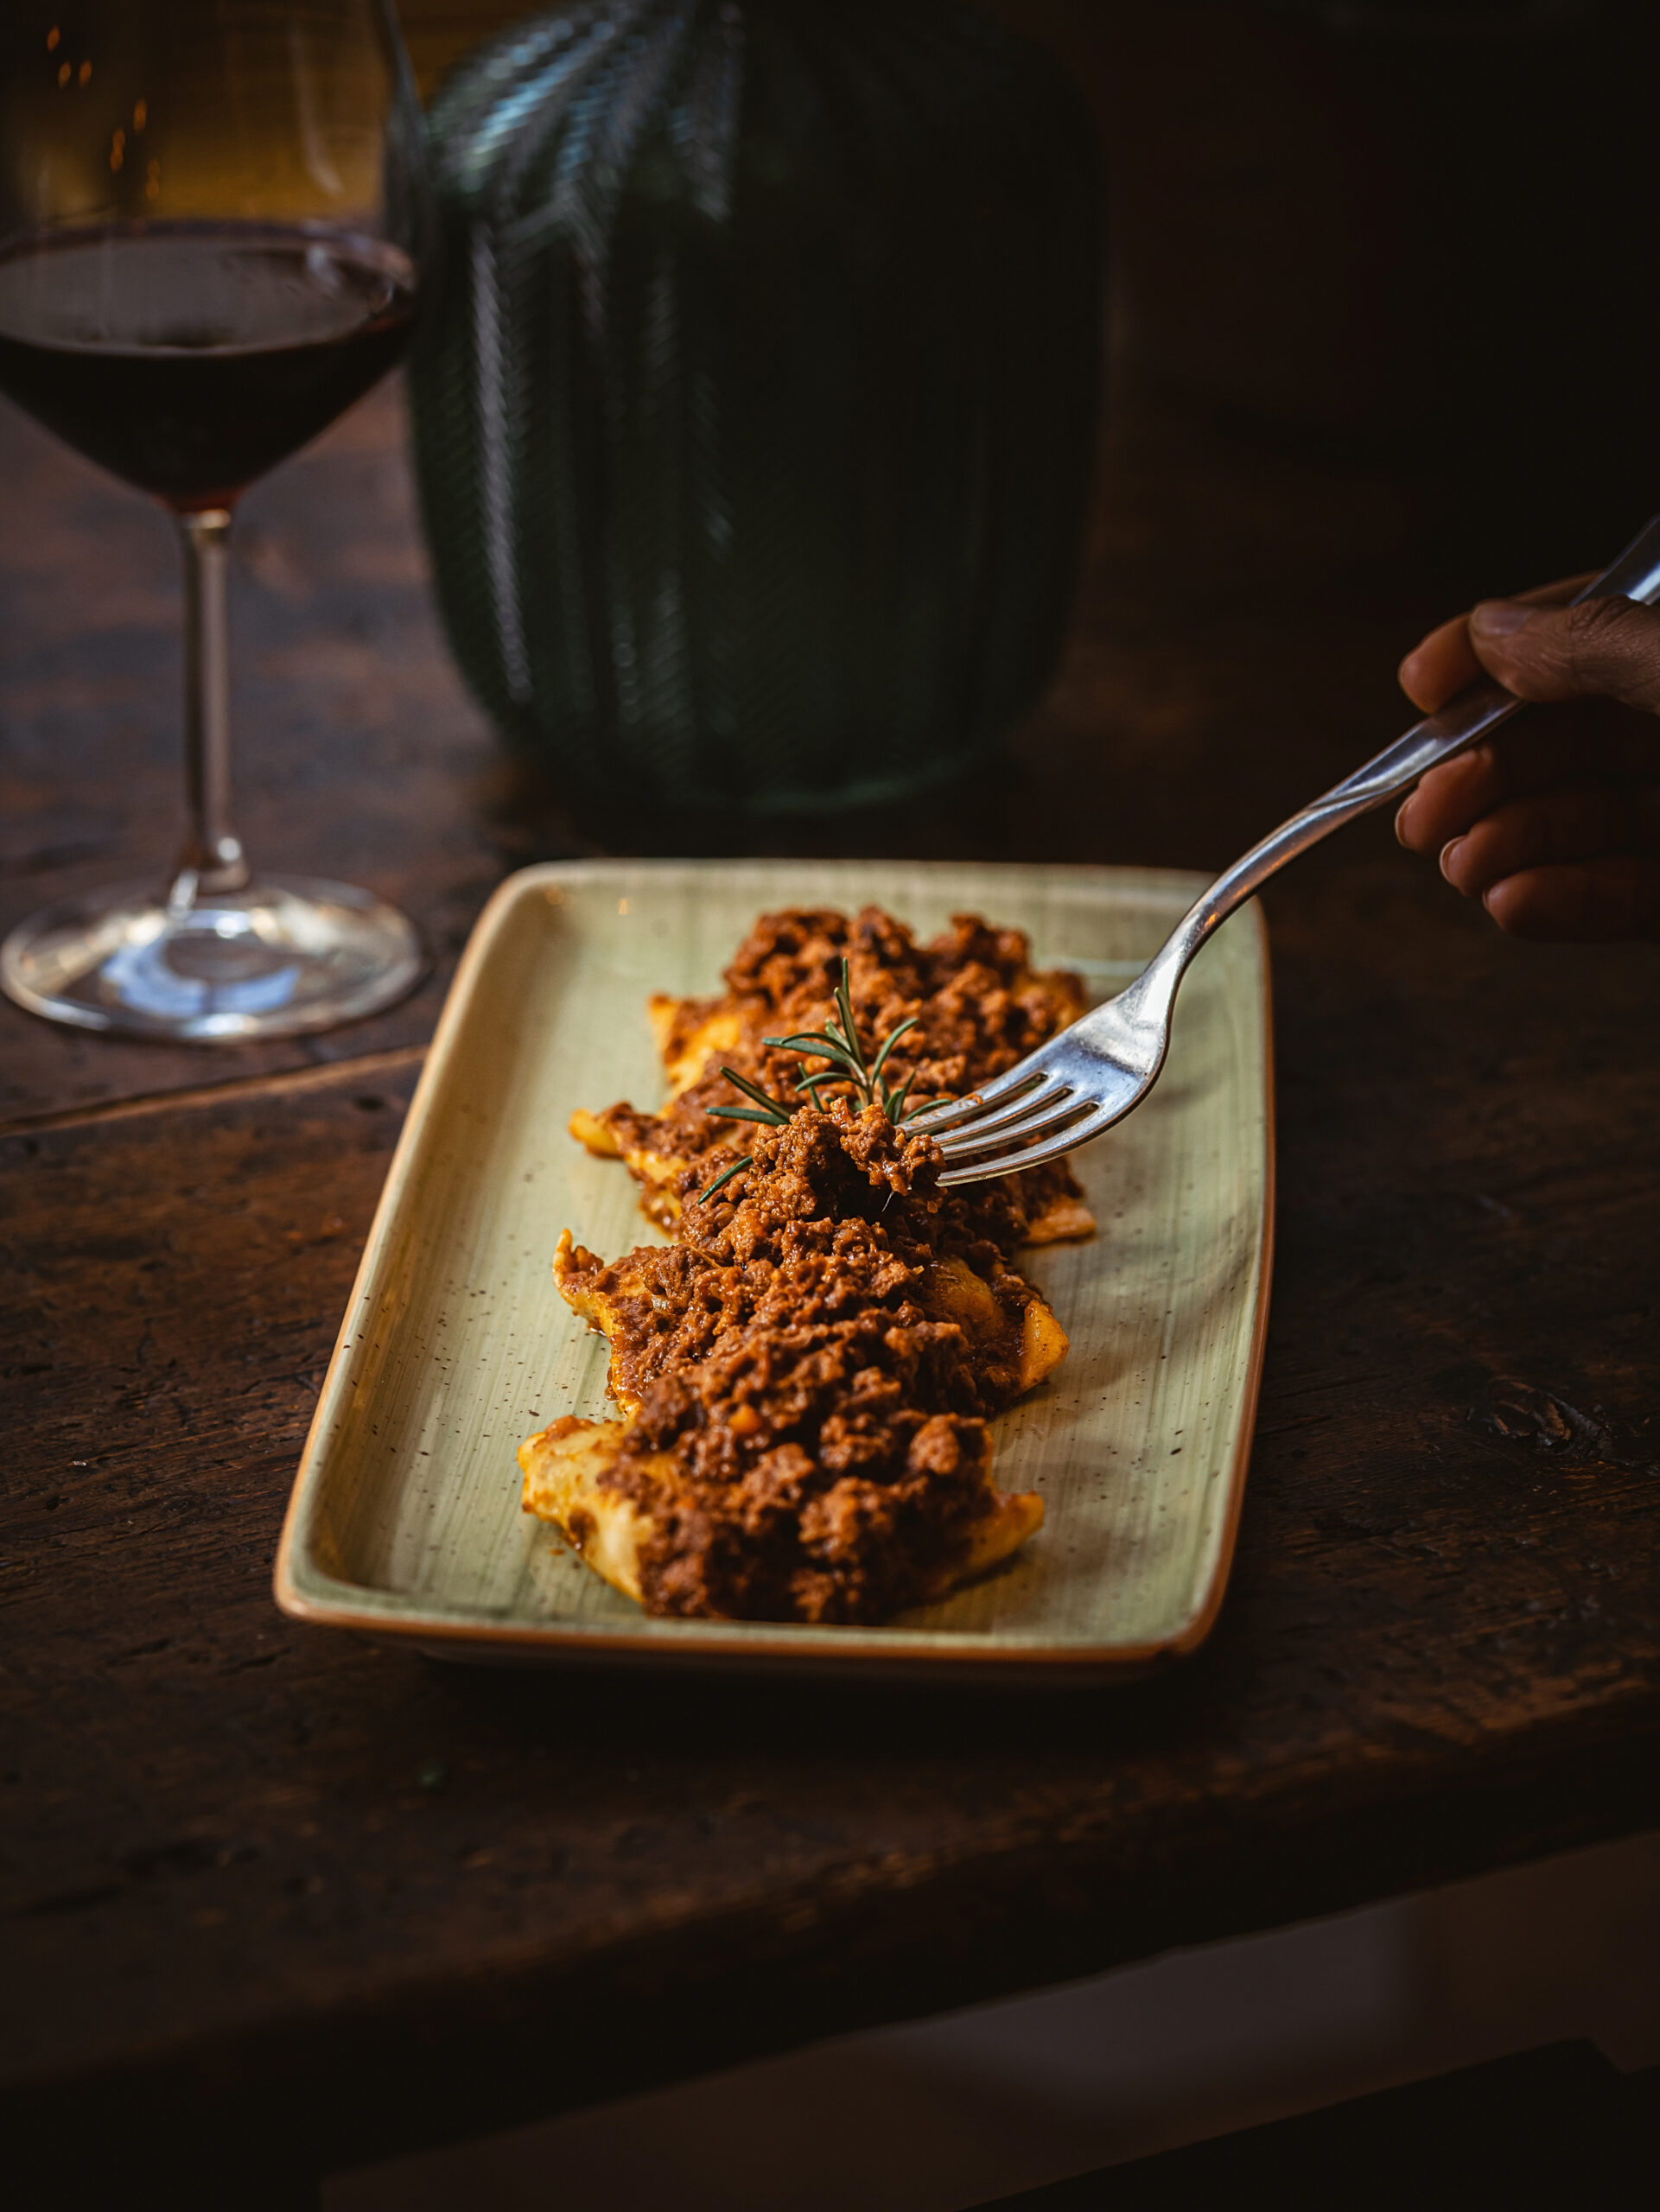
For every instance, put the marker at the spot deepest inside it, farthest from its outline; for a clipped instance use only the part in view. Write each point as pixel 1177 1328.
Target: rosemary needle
pixel 737 1167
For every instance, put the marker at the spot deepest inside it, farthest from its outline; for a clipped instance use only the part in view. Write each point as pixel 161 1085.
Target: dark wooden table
pixel 276 1900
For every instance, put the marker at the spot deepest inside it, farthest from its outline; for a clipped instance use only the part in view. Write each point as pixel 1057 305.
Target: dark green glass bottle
pixel 754 422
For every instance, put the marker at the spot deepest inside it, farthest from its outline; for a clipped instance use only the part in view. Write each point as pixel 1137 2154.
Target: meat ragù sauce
pixel 806 1373
pixel 978 1005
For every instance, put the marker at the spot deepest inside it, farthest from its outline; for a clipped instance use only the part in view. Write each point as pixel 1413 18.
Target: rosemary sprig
pixel 736 1169
pixel 845 1048
pixel 840 1044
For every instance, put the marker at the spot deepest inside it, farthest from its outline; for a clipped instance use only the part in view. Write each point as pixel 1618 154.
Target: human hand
pixel 1554 822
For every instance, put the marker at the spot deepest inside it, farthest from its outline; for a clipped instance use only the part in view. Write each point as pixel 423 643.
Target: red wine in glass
pixel 213 225
pixel 191 357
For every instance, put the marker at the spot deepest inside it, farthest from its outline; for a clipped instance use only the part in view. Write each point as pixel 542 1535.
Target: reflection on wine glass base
pixel 283 955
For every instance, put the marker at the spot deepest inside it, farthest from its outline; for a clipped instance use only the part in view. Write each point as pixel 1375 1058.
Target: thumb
pixel 1603 648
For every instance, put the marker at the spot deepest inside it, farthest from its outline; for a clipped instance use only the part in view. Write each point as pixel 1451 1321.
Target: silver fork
pixel 1090 1076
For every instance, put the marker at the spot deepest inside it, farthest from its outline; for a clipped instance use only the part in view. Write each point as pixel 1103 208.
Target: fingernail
pixel 1447 851
pixel 1498 617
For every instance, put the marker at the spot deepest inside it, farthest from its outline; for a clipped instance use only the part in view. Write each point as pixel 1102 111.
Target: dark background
pixel 1416 235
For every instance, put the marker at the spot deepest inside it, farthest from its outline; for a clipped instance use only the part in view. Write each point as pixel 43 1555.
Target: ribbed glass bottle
pixel 754 422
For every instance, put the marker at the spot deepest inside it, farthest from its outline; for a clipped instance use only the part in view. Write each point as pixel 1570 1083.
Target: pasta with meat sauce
pixel 804 1375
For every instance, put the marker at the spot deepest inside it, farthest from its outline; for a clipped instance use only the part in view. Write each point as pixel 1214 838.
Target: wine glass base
pixel 285 955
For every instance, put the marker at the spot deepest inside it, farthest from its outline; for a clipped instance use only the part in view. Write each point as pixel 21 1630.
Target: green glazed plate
pixel 405 1515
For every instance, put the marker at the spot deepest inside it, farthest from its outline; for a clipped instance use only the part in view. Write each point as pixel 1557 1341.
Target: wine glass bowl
pixel 213 238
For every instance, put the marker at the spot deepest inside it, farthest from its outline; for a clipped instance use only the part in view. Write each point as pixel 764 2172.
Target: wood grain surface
pixel 266 1885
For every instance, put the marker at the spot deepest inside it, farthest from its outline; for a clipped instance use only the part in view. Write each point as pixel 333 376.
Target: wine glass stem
pixel 213 859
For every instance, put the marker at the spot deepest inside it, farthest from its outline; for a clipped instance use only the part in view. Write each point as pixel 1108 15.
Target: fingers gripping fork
pixel 1080 1083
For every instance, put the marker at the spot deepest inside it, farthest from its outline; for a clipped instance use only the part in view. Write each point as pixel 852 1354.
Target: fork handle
pixel 1482 707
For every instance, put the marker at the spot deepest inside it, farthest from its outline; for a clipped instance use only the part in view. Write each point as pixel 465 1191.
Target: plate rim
pixel 302 1590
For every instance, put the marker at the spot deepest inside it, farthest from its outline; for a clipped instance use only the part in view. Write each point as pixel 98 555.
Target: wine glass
pixel 213 228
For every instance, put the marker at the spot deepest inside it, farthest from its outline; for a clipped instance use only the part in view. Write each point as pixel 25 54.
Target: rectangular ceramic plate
pixel 405 1515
